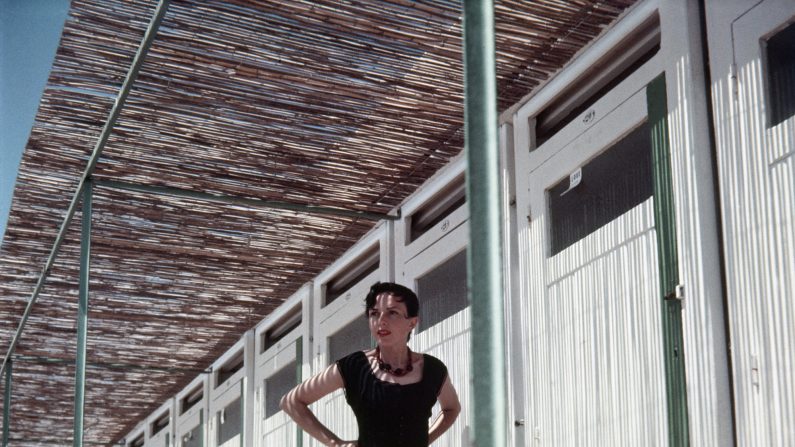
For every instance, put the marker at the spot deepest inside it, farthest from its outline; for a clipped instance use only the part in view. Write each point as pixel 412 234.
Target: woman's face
pixel 389 322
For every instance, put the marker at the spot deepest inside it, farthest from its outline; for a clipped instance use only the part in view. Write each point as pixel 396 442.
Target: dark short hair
pixel 402 293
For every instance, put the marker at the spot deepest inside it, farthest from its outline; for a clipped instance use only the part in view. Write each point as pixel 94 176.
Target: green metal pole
pixel 485 278
pixel 7 405
pixel 668 262
pixel 299 363
pixel 82 315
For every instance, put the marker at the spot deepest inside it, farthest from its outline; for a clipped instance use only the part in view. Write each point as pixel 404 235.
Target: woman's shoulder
pixel 352 361
pixel 434 373
pixel 434 364
pixel 353 357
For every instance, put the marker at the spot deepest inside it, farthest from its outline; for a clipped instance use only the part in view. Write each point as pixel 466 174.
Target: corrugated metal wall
pixel 756 164
pixel 449 340
pixel 595 374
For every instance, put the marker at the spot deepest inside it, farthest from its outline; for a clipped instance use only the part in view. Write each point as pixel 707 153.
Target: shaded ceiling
pixel 342 104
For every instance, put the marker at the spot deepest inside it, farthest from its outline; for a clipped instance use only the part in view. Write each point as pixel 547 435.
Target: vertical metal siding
pixel 450 341
pixel 756 166
pixel 278 430
pixel 759 187
pixel 595 371
pixel 333 411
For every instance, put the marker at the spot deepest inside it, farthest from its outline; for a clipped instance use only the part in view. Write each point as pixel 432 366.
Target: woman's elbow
pixel 453 410
pixel 287 403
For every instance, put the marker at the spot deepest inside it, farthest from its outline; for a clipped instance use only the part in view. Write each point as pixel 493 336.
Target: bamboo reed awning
pixel 341 104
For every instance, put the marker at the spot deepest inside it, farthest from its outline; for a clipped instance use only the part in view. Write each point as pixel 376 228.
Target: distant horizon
pixel 30 31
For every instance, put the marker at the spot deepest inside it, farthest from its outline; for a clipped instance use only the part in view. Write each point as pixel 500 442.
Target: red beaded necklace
pixel 387 368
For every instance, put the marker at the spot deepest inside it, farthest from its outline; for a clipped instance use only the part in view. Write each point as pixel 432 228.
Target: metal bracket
pixel 677 294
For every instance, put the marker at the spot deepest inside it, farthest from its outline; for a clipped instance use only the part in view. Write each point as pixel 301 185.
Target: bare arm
pixel 451 407
pixel 296 405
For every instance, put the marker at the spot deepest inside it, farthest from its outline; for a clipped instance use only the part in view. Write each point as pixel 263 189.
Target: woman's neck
pixel 397 355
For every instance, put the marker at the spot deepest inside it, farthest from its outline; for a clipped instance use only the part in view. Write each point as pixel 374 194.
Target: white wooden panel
pixel 135 434
pixel 279 429
pixel 594 355
pixel 448 340
pixel 335 413
pixel 404 250
pixel 194 417
pixel 279 425
pixel 234 387
pixel 164 437
pixel 757 180
pixel 218 388
pixel 217 406
pixel 184 429
pixel 332 410
pixel 704 325
pixel 597 375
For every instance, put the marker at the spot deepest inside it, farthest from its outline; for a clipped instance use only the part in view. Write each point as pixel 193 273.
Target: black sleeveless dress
pixel 389 414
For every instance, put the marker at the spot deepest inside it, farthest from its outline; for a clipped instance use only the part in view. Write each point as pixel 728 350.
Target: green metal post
pixel 484 256
pixel 299 364
pixel 82 315
pixel 668 260
pixel 7 406
pixel 242 413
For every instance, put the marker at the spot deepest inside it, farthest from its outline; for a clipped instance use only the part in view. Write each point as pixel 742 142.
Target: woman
pixel 390 389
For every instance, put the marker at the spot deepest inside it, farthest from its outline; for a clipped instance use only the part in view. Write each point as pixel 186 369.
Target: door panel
pixel 756 158
pixel 276 375
pixel 438 275
pixel 191 433
pixel 595 366
pixel 340 328
pixel 342 337
pixel 226 411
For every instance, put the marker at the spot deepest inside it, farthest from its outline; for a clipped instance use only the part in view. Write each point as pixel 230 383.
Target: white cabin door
pixel 594 368
pixel 438 275
pixel 190 433
pixel 340 333
pixel 226 425
pixel 757 179
pixel 278 372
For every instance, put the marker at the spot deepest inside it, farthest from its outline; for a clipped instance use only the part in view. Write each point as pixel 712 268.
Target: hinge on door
pixel 735 82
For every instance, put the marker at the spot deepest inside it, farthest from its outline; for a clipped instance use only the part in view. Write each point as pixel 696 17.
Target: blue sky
pixel 29 34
